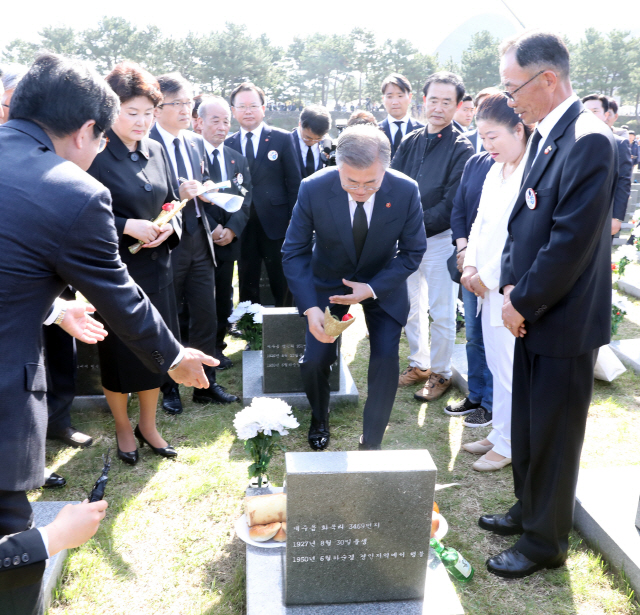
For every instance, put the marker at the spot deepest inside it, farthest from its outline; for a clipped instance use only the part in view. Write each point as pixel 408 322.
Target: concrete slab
pixel 619 241
pixel 628 351
pixel 43 514
pixel 459 368
pixel 629 286
pixel 252 371
pixel 606 505
pixel 90 402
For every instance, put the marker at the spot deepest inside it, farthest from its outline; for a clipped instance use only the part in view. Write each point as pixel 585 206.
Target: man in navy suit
pixel 396 98
pixel 314 124
pixel 275 176
pixel 369 237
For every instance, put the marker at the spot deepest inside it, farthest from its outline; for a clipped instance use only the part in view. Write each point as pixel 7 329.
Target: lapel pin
pixel 272 155
pixel 530 198
pixel 388 204
pixel 439 136
pixel 233 162
pixel 548 149
pixel 266 140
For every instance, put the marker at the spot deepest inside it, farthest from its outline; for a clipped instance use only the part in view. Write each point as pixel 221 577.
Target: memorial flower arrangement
pixel 261 425
pixel 625 254
pixel 248 319
pixel 619 307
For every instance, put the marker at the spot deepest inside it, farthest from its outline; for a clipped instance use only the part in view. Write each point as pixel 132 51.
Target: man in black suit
pixel 225 164
pixel 314 124
pixel 369 236
pixel 396 98
pixel 193 261
pixel 68 238
pixel 275 177
pixel 556 280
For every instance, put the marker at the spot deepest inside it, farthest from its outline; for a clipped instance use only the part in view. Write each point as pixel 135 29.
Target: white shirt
pixel 546 125
pixel 255 139
pixel 209 149
pixel 393 128
pixel 304 148
pixel 368 207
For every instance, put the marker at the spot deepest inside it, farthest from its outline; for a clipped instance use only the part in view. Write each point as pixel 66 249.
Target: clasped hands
pixel 471 281
pixel 512 319
pixel 149 233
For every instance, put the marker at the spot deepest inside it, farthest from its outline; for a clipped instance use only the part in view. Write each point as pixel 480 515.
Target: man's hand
pixel 142 230
pixel 467 275
pixel 216 232
pixel 189 371
pixel 315 318
pixel 189 189
pixel 74 525
pixel 208 184
pixel 165 231
pixel 360 293
pixel 225 238
pixel 461 246
pixel 79 324
pixel 512 319
pixel 616 225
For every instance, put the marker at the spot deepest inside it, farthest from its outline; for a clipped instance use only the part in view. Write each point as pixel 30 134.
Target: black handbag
pixel 452 266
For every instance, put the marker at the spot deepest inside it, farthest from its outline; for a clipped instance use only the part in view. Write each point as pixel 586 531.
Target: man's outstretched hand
pixel 79 324
pixel 360 292
pixel 190 372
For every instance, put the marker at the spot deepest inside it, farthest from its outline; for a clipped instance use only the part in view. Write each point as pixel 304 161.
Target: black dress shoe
pixel 319 435
pixel 215 394
pixel 225 362
pixel 171 402
pixel 511 564
pixel 71 437
pixel 365 446
pixel 54 481
pixel 500 524
pixel 130 458
pixel 167 451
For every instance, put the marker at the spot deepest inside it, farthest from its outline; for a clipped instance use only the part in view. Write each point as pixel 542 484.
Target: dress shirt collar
pixel 405 119
pixel 209 147
pixel 256 132
pixel 368 207
pixel 546 125
pixel 167 137
pixel 303 146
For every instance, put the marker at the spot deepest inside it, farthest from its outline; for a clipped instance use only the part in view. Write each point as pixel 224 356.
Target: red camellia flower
pixel 347 317
pixel 613 267
pixel 167 206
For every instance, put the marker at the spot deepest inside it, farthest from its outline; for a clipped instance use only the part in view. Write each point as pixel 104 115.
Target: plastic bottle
pixel 458 567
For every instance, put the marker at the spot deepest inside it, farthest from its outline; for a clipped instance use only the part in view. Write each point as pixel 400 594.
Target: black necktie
pixel 398 138
pixel 189 212
pixel 360 228
pixel 248 152
pixel 216 171
pixel 533 151
pixel 311 163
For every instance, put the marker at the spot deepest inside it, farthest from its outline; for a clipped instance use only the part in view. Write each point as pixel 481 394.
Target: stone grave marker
pixel 88 374
pixel 283 332
pixel 266 296
pixel 358 526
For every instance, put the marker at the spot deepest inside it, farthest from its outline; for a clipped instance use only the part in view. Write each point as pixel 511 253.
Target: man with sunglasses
pixel 369 236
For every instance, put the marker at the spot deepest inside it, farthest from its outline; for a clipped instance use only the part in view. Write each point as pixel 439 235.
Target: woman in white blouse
pixel 504 136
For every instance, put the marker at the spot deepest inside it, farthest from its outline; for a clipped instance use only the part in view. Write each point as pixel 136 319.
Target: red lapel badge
pixel 388 204
pixel 548 149
pixel 266 140
pixel 233 162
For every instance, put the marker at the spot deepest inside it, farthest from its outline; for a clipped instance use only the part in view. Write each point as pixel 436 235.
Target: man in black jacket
pixel 435 157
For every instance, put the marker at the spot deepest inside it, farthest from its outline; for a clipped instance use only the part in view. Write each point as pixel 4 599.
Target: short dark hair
pixel 467 98
pixel 446 77
pixel 60 95
pixel 632 132
pixel 129 80
pixel 539 49
pixel 495 108
pixel 316 119
pixel 247 86
pixel 362 117
pixel 613 105
pixel 172 83
pixel 400 81
pixel 604 101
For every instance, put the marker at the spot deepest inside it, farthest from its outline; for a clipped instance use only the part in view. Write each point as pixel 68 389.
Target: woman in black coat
pixel 138 174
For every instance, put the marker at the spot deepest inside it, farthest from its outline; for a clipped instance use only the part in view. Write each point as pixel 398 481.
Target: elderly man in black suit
pixel 225 164
pixel 556 280
pixel 275 177
pixel 314 124
pixel 68 238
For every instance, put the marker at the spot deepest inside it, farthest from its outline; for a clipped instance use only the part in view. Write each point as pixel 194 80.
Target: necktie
pixel 249 154
pixel 360 228
pixel 189 212
pixel 216 170
pixel 311 164
pixel 398 138
pixel 533 151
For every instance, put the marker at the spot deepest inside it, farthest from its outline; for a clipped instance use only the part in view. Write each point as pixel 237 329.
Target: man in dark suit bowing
pixel 396 98
pixel 556 280
pixel 275 177
pixel 369 237
pixel 314 124
pixel 225 164
pixel 193 261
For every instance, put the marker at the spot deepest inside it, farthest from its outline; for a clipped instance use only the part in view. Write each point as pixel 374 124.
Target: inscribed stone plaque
pixel 266 296
pixel 283 332
pixel 358 526
pixel 88 375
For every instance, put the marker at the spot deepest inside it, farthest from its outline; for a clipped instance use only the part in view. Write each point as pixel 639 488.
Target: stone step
pixel 628 351
pixel 629 286
pixel 619 241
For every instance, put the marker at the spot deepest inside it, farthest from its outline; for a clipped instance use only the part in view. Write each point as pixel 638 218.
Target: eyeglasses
pixel 360 187
pixel 312 140
pixel 178 105
pixel 103 139
pixel 7 106
pixel 511 95
pixel 243 108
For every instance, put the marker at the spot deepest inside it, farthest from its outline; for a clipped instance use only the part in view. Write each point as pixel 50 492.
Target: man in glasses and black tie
pixel 314 124
pixel 369 237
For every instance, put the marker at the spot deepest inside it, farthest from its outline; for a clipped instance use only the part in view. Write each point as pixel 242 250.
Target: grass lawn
pixel 168 546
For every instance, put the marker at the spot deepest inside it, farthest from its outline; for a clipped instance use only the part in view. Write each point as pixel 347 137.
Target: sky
pixel 281 21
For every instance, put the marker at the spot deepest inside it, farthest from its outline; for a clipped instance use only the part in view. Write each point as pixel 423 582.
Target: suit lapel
pixel 155 135
pixel 194 155
pixel 339 206
pixel 264 146
pixel 385 126
pixel 296 144
pixel 379 219
pixel 234 142
pixel 229 162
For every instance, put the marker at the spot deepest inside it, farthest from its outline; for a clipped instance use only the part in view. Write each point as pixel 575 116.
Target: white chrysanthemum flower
pixel 627 250
pixel 264 415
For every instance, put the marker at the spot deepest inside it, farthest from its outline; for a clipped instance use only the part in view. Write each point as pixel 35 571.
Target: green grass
pixel 168 546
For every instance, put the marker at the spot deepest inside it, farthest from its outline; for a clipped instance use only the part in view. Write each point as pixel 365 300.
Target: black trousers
pixel 60 356
pixel 551 399
pixel 224 299
pixel 20 589
pixel 382 379
pixel 255 247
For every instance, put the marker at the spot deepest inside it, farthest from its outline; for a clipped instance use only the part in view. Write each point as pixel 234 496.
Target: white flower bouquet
pixel 261 425
pixel 624 255
pixel 248 319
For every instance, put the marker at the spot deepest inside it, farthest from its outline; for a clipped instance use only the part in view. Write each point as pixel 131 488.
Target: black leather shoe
pixel 215 394
pixel 365 446
pixel 319 435
pixel 171 402
pixel 167 451
pixel 500 524
pixel 225 362
pixel 511 564
pixel 54 481
pixel 71 437
pixel 130 458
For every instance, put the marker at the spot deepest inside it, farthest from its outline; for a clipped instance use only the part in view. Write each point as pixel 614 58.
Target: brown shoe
pixel 413 375
pixel 433 388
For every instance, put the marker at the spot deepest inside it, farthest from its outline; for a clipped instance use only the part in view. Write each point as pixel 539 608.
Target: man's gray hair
pixel 362 145
pixel 539 50
pixel 11 75
pixel 212 100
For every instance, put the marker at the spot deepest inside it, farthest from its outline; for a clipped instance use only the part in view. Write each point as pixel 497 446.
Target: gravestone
pixel 266 296
pixel 89 393
pixel 283 333
pixel 358 526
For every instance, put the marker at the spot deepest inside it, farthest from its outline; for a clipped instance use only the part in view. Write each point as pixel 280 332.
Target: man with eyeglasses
pixel 435 157
pixel 369 236
pixel 314 124
pixel 556 281
pixel 193 261
pixel 275 178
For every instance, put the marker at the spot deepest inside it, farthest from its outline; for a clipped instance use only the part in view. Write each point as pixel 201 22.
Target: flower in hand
pixel 167 206
pixel 347 317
